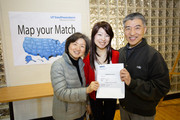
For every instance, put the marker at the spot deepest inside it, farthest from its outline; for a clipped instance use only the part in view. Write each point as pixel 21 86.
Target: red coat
pixel 89 72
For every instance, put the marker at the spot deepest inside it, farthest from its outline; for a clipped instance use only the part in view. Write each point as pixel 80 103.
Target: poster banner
pixel 39 38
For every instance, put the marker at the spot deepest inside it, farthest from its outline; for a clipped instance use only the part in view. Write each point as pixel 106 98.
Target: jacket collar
pixel 67 59
pixel 143 43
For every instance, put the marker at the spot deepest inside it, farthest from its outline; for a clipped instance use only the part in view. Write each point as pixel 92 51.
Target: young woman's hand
pixel 92 87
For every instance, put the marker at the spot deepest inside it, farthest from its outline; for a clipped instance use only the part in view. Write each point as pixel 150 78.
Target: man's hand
pixel 125 76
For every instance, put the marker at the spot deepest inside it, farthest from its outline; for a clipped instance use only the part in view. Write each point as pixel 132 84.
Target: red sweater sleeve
pixel 89 74
pixel 86 71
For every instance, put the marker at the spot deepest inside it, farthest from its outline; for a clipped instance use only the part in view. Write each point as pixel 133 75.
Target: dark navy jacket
pixel 149 79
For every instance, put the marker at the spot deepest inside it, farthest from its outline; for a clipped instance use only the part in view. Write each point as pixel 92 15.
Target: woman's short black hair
pixel 75 37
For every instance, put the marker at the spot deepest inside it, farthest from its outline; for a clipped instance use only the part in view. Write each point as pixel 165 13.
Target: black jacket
pixel 149 79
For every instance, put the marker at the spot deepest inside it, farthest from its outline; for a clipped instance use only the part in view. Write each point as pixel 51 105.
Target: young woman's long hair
pixel 107 27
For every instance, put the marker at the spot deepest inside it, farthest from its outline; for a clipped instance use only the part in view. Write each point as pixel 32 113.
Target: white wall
pixel 33 74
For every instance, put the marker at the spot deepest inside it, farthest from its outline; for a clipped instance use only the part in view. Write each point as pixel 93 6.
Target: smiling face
pixel 77 48
pixel 101 39
pixel 134 31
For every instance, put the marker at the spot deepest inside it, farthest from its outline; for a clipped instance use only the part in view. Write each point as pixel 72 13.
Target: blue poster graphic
pixel 43 47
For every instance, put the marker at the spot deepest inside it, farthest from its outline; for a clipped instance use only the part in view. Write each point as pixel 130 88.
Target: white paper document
pixel 111 86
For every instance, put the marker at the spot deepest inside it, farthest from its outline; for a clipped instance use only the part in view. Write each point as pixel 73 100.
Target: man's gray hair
pixel 133 16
